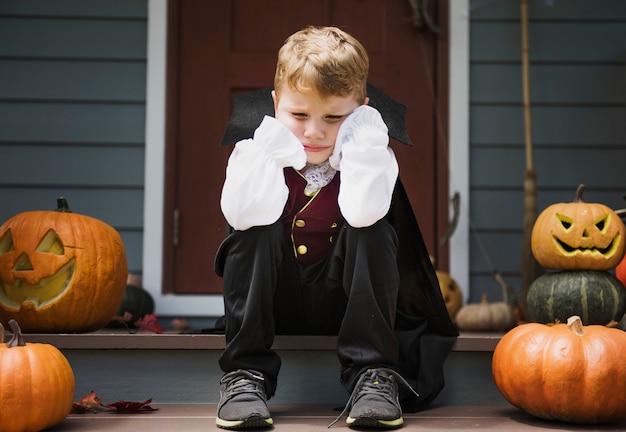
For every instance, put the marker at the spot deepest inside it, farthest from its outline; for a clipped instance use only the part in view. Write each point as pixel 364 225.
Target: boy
pixel 312 249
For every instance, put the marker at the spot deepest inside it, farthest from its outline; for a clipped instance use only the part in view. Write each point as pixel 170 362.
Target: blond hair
pixel 325 60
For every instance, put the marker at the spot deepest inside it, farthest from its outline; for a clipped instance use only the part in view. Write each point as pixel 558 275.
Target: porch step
pixel 305 418
pixel 174 368
pixel 121 339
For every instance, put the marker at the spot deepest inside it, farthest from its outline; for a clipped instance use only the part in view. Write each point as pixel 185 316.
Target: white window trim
pixel 212 305
pixel 458 149
pixel 154 192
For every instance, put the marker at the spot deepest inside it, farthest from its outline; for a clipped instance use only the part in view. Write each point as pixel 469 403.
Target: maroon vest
pixel 311 222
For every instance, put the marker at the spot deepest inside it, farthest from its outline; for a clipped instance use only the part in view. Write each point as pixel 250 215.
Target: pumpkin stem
pixel 579 193
pixel 484 300
pixel 17 339
pixel 62 205
pixel 575 325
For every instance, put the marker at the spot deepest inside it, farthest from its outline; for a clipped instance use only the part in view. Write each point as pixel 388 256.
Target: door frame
pixel 154 186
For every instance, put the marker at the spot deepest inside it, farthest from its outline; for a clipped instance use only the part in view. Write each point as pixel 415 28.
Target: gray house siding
pixel 72 114
pixel 578 93
pixel 72 108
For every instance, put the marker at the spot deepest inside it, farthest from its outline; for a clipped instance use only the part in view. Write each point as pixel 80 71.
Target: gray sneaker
pixel 242 401
pixel 374 401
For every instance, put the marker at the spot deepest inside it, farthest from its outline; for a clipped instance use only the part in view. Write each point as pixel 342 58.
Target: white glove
pixel 279 143
pixel 255 193
pixel 364 123
pixel 367 166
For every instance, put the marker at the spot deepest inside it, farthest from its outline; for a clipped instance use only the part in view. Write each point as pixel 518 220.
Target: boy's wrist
pixel 279 143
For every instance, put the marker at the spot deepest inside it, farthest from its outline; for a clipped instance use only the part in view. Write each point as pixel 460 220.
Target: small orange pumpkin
pixel 578 236
pixel 36 384
pixel 570 372
pixel 60 271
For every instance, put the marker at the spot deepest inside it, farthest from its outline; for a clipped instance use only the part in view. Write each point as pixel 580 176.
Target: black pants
pixel 351 293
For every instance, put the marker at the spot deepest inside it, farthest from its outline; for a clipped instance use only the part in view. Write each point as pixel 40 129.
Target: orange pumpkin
pixel 36 385
pixel 578 236
pixel 60 271
pixel 570 372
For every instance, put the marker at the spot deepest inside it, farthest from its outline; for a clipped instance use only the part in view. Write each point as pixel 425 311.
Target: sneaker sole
pixel 249 423
pixel 369 422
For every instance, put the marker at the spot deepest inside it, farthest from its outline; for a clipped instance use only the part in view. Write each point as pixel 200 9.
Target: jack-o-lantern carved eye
pixel 602 224
pixel 566 222
pixel 6 243
pixel 51 243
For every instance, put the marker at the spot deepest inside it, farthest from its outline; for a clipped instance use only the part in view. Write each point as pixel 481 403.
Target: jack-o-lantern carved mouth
pixel 47 291
pixel 608 251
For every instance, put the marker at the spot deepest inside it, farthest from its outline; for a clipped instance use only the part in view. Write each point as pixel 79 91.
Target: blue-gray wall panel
pixel 133 244
pixel 505 167
pixel 548 42
pixel 120 208
pixel 72 122
pixel 486 284
pixel 500 250
pixel 557 10
pixel 71 38
pixel 77 8
pixel 550 84
pixel 564 126
pixel 73 80
pixel 72 165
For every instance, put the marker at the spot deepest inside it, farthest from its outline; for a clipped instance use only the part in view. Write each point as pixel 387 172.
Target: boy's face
pixel 313 119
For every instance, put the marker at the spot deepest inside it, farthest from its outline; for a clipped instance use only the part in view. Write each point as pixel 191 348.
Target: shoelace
pixel 374 381
pixel 243 381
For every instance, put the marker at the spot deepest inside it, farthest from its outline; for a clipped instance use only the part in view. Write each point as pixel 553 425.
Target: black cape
pixel 423 326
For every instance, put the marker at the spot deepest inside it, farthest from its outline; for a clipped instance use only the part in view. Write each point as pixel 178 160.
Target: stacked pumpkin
pixel 572 372
pixel 582 242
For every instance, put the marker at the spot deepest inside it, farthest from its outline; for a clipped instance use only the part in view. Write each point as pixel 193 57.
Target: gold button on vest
pixel 300 223
pixel 302 250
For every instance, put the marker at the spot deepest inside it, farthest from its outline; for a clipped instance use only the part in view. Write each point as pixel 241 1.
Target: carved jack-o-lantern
pixel 451 292
pixel 578 235
pixel 60 271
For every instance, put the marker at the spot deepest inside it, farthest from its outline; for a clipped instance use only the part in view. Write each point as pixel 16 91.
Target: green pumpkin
pixel 137 301
pixel 596 296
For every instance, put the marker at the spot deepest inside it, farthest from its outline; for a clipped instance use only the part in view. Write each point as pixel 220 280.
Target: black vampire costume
pixel 423 329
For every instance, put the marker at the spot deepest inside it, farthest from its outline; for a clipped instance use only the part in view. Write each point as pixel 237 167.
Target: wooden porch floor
pixel 301 418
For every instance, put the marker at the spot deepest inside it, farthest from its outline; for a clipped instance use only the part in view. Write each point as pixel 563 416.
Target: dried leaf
pixel 149 323
pixel 123 407
pixel 91 402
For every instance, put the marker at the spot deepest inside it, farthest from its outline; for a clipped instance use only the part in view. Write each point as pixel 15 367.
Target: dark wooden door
pixel 219 48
